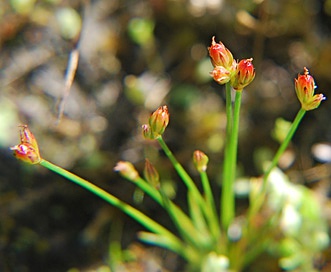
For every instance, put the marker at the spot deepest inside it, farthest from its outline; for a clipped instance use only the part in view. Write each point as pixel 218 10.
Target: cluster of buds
pixel 27 150
pixel 305 88
pixel 157 123
pixel 226 69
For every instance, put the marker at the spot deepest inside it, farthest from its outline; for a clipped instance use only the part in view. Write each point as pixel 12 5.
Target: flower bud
pixel 223 62
pixel 245 73
pixel 147 133
pixel 158 121
pixel 305 88
pixel 126 170
pixel 200 160
pixel 220 75
pixel 27 150
pixel 220 55
pixel 26 153
pixel 151 175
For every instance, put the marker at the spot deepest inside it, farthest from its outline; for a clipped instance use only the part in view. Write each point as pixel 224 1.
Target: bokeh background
pixel 134 57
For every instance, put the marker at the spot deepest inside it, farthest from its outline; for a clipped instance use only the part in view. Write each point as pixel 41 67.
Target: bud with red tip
pixel 127 170
pixel 223 62
pixel 27 150
pixel 245 73
pixel 220 55
pixel 200 160
pixel 305 88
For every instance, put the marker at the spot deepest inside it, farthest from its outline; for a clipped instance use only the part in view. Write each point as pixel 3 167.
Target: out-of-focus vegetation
pixel 135 56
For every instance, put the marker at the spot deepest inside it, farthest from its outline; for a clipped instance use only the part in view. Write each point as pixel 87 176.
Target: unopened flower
pixel 27 150
pixel 245 73
pixel 305 88
pixel 220 75
pixel 126 170
pixel 151 175
pixel 223 62
pixel 158 121
pixel 220 55
pixel 147 133
pixel 200 160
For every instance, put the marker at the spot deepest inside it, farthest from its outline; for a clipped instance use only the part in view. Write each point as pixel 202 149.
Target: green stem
pixel 192 188
pixel 230 163
pixel 226 161
pixel 283 146
pixel 258 200
pixel 182 173
pixel 213 220
pixel 179 218
pixel 174 243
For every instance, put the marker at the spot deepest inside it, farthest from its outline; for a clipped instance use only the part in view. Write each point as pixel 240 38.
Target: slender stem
pixel 174 243
pixel 213 219
pixel 284 145
pixel 226 161
pixel 258 200
pixel 179 218
pixel 229 174
pixel 182 173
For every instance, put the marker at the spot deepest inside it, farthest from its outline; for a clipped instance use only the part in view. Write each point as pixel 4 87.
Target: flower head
pixel 245 73
pixel 27 150
pixel 305 88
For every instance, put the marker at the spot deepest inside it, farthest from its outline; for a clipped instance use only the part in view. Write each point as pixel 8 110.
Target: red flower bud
pixel 27 150
pixel 245 73
pixel 220 55
pixel 223 62
pixel 305 88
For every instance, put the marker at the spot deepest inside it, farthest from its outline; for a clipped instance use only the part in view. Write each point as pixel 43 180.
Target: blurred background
pixel 133 57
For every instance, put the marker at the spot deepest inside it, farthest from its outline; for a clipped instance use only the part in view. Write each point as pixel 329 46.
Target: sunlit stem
pixel 212 213
pixel 226 161
pixel 257 202
pixel 180 219
pixel 182 173
pixel 174 243
pixel 230 159
pixel 283 146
